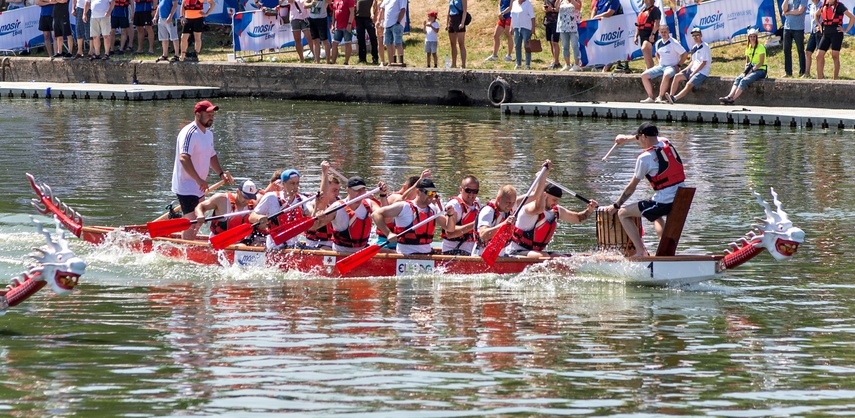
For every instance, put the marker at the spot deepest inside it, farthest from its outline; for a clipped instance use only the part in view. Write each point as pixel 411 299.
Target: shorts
pixel 45 23
pixel 454 25
pixel 142 18
pixel 696 79
pixel 831 38
pixel 188 203
pixel 394 35
pixel 100 26
pixel 812 41
pixel 167 31
pixel 342 35
pixel 81 27
pixel 299 24
pixel 660 70
pixel 318 28
pixel 504 22
pixel 119 22
pixel 430 47
pixel 551 34
pixel 61 22
pixel 194 25
pixel 644 35
pixel 652 210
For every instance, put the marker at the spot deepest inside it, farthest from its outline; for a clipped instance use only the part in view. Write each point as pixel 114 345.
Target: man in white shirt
pixel 671 56
pixel 697 71
pixel 394 12
pixel 99 25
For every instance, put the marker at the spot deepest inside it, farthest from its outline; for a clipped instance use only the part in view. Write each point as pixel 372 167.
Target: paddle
pixel 233 235
pixel 607 154
pixel 215 186
pixel 304 225
pixel 161 228
pixel 339 175
pixel 572 193
pixel 356 259
pixel 495 246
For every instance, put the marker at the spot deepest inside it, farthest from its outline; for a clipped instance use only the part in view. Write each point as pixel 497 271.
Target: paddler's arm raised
pixel 536 205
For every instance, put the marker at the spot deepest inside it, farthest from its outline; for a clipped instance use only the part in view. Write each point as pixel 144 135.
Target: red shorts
pixel 505 23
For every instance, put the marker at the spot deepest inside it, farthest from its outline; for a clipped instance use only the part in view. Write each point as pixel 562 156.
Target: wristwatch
pixel 616 206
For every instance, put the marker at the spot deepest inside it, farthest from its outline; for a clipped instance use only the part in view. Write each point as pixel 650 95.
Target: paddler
pixel 466 206
pixel 407 213
pixel 661 165
pixel 407 192
pixel 194 157
pixel 320 235
pixel 225 203
pixel 271 203
pixel 352 225
pixel 496 212
pixel 535 226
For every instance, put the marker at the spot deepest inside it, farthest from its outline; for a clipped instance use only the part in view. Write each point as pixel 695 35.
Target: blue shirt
pixel 164 9
pixel 143 6
pixel 505 4
pixel 793 22
pixel 46 10
pixel 455 7
pixel 120 11
pixel 606 5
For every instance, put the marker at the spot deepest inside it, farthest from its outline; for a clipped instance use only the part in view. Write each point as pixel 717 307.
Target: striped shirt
pixel 200 147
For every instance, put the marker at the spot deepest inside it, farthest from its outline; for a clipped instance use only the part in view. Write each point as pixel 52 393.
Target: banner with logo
pixel 19 28
pixel 607 40
pixel 222 13
pixel 721 20
pixel 255 31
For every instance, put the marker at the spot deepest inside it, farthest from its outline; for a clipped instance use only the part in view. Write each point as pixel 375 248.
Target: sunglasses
pixel 696 34
pixel 470 191
pixel 429 194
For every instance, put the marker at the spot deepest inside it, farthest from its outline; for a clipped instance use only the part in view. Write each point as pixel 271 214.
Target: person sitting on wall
pixel 755 68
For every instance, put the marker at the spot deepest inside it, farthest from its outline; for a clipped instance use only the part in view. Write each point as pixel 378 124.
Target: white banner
pixel 19 28
pixel 721 20
pixel 608 40
pixel 255 31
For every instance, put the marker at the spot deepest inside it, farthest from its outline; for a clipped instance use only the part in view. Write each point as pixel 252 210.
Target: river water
pixel 144 335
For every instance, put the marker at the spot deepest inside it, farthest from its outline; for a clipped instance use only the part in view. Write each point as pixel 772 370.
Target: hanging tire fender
pixel 499 92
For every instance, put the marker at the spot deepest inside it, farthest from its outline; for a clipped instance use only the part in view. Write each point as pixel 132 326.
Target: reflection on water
pixel 151 336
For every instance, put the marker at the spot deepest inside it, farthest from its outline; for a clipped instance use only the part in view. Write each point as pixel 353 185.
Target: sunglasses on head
pixel 470 191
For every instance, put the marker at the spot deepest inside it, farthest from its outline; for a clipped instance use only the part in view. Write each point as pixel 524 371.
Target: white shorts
pixel 100 26
pixel 167 31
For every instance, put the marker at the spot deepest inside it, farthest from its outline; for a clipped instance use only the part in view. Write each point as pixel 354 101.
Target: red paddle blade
pixel 294 229
pixel 161 228
pixel 495 246
pixel 354 260
pixel 230 236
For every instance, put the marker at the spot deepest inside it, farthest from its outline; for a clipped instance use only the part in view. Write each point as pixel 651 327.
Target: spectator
pixel 14 4
pixel 299 15
pixel 647 26
pixel 671 56
pixel 81 26
pixel 503 26
pixel 97 14
pixel 318 29
pixel 193 18
pixel 46 23
pixel 550 23
pixel 364 23
pixel 343 16
pixel 456 26
pixel 522 22
pixel 166 15
pixel 394 13
pixel 119 20
pixel 755 68
pixel 568 18
pixel 813 39
pixel 697 70
pixel 830 16
pixel 794 30
pixel 431 39
pixel 142 20
pixel 62 29
pixel 380 29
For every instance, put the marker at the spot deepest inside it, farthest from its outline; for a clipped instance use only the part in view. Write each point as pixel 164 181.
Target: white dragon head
pixel 777 233
pixel 57 264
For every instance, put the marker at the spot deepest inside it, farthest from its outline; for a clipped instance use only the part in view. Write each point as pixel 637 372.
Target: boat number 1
pixel 650 266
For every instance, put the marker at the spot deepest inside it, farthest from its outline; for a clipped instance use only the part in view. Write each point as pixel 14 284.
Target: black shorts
pixel 142 18
pixel 119 22
pixel 318 28
pixel 194 25
pixel 454 25
pixel 188 203
pixel 644 35
pixel 46 23
pixel 551 34
pixel 61 21
pixel 810 46
pixel 831 38
pixel 652 210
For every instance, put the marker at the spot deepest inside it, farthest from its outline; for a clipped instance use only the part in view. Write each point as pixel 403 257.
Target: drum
pixel 610 233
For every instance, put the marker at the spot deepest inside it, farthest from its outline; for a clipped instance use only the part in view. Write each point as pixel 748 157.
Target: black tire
pixel 499 92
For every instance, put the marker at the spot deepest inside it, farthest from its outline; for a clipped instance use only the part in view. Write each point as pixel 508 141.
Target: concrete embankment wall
pixel 412 85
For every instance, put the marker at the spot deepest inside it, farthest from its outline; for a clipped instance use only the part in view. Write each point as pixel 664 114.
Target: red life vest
pixel 193 4
pixel 670 167
pixel 293 214
pixel 537 238
pixel 830 15
pixel 120 3
pixel 642 23
pixel 228 223
pixel 358 230
pixel 468 217
pixel 418 236
pixel 390 225
pixel 324 233
pixel 496 215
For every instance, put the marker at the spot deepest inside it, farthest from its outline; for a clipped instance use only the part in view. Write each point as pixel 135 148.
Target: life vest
pixel 642 23
pixel 468 217
pixel 228 223
pixel 358 230
pixel 418 236
pixel 391 225
pixel 293 214
pixel 120 3
pixel 496 215
pixel 670 167
pixel 537 238
pixel 830 17
pixel 193 4
pixel 324 233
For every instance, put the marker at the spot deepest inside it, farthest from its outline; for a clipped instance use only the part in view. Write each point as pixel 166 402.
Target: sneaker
pixel 491 58
pixel 57 55
pixel 727 101
pixel 67 56
pixel 671 99
pixel 565 68
pixel 508 58
pixel 528 67
pixel 788 76
pixel 575 68
pixel 658 100
pixel 647 100
pixel 553 66
pixel 375 62
pixel 516 66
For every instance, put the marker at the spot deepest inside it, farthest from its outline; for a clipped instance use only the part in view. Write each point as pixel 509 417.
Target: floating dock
pixel 86 91
pixel 793 117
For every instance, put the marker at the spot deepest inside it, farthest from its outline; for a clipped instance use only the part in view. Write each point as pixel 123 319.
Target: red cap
pixel 205 106
pixel 432 13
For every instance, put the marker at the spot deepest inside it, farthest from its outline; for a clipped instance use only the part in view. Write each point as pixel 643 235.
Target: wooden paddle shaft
pixel 216 186
pixel 610 151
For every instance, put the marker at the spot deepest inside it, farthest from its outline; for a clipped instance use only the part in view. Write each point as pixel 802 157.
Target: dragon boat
pixel 775 234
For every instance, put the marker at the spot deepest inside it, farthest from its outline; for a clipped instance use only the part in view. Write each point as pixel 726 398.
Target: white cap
pixel 248 189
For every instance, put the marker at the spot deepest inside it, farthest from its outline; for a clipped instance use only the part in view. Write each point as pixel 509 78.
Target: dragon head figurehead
pixel 776 234
pixel 57 264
